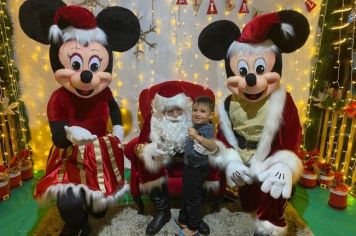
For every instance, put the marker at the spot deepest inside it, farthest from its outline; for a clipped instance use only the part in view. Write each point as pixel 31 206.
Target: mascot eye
pixel 94 64
pixel 242 68
pixel 76 62
pixel 260 66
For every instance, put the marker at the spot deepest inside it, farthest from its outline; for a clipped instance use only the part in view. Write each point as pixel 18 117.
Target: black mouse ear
pixel 36 17
pixel 121 27
pixel 291 33
pixel 216 38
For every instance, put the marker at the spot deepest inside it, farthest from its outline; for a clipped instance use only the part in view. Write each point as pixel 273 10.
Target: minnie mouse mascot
pixel 260 131
pixel 85 169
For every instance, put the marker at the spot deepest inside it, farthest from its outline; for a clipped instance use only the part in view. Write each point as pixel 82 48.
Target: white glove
pixel 202 150
pixel 237 174
pixel 277 180
pixel 78 135
pixel 118 131
pixel 158 151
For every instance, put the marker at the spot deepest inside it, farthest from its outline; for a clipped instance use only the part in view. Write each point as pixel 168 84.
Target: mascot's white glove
pixel 277 180
pixel 78 135
pixel 202 150
pixel 118 131
pixel 237 174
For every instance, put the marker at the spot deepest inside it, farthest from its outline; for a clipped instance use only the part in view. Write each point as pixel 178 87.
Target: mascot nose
pixel 86 76
pixel 251 79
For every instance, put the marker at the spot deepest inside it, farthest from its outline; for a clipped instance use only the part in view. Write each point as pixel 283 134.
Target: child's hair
pixel 205 100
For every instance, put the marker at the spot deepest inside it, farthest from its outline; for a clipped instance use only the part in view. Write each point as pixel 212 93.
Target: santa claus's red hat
pixel 78 23
pixel 168 96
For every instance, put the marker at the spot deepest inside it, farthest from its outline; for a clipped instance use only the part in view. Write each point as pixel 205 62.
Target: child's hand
pixel 192 133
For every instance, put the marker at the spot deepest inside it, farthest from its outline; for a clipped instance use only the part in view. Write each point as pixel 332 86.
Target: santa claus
pixel 160 149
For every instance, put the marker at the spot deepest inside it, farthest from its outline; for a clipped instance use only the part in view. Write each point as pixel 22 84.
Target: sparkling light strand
pixel 314 68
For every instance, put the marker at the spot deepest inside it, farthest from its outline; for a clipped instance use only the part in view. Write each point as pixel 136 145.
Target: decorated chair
pixel 215 183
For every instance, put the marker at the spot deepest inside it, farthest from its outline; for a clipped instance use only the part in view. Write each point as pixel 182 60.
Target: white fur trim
pixel 80 35
pixel 152 164
pixel 265 227
pixel 4 183
pixel 226 127
pixel 245 49
pixel 223 156
pixel 338 193
pixel 100 202
pixel 288 158
pixel 325 177
pixel 309 176
pixel 148 186
pixel 55 34
pixel 160 104
pixel 212 186
pixel 273 122
pixel 13 175
pixel 288 30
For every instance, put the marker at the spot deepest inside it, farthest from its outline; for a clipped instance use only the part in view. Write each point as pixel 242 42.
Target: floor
pixel 20 213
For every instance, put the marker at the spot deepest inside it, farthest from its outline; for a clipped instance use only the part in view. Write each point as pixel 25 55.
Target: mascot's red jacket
pixel 85 157
pixel 259 130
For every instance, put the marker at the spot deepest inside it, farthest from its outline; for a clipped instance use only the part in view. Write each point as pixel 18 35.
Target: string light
pixel 181 28
pixel 12 92
pixel 317 61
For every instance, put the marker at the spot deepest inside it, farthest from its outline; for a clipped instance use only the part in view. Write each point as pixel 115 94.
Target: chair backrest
pixel 192 90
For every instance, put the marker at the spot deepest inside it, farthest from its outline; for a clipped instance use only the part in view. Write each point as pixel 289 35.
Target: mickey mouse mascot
pixel 85 169
pixel 259 119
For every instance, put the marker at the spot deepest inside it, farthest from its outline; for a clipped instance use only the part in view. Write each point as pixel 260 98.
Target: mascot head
pixel 81 44
pixel 253 60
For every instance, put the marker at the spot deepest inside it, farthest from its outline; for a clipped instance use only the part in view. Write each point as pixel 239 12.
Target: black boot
pixel 68 231
pixel 163 214
pixel 204 228
pixel 72 212
pixel 260 234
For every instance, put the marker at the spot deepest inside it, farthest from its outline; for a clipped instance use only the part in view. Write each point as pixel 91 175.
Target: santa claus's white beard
pixel 170 133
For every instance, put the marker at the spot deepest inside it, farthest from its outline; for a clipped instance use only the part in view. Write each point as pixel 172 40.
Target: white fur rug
pixel 124 221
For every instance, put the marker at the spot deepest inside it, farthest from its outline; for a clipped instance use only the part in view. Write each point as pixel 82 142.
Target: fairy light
pixel 13 89
pixel 314 69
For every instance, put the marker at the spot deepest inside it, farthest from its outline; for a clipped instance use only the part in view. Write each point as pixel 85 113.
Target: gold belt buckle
pixel 324 186
pixel 5 197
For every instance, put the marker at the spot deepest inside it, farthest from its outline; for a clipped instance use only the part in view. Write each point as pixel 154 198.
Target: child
pixel 196 165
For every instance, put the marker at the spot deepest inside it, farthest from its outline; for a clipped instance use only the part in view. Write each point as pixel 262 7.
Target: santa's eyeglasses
pixel 174 112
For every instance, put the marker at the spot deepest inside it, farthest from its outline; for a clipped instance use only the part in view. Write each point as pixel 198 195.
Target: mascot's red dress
pixel 85 168
pixel 259 130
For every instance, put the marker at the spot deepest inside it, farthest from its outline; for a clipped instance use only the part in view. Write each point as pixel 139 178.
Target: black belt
pixel 243 143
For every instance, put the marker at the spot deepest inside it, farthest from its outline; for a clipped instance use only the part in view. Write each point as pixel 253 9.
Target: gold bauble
pixel 126 120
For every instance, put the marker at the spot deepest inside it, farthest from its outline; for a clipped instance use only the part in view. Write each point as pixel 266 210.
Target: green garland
pixel 326 74
pixel 6 55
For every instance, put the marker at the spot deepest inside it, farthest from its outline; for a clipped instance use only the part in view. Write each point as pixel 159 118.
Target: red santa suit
pixel 153 172
pixel 280 139
pixel 97 167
